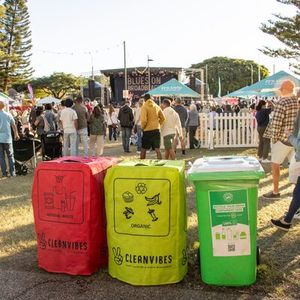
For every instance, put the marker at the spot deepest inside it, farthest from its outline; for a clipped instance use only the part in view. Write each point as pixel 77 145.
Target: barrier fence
pixel 227 131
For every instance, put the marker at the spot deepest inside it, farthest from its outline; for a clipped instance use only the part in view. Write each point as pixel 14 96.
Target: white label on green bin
pixel 230 223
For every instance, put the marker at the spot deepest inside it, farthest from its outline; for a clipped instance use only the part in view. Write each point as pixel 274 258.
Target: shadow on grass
pixel 15 201
pixel 17 239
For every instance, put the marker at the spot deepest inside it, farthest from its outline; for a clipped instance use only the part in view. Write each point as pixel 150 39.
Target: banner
pixel 29 87
pixel 137 85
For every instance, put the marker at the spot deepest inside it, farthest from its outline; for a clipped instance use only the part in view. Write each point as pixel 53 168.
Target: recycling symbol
pixel 141 188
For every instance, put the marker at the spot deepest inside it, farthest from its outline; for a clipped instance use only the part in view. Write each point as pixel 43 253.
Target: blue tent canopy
pixel 173 88
pixel 266 87
pixel 243 92
pixel 274 81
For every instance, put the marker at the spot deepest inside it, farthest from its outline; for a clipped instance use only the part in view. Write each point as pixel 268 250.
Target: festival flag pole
pixel 220 88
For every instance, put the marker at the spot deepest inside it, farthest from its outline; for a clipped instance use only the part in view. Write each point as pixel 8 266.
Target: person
pixel 137 124
pixel 170 127
pixel 82 130
pixel 262 118
pixel 97 130
pixel 88 105
pixel 32 116
pixel 219 110
pixel 244 108
pixel 285 222
pixel 294 166
pixel 60 108
pixel 7 124
pixel 212 117
pixel 192 125
pixel 49 118
pixel 285 112
pixel 39 122
pixel 112 123
pixel 25 119
pixel 126 119
pixel 152 118
pixel 183 115
pixel 69 123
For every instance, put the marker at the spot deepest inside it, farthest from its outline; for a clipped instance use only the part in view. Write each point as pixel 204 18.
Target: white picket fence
pixel 231 131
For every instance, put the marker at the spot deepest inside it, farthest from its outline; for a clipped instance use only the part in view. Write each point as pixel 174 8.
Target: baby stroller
pixel 51 145
pixel 25 149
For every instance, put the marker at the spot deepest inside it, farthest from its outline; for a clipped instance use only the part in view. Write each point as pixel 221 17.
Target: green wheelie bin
pixel 226 200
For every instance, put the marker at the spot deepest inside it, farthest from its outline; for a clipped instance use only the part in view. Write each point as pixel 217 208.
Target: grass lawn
pixel 278 274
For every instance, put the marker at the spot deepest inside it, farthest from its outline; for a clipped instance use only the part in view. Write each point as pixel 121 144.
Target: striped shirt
pixel 284 117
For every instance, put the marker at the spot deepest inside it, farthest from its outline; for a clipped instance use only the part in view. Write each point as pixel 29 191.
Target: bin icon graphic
pixel 226 200
pixel 146 222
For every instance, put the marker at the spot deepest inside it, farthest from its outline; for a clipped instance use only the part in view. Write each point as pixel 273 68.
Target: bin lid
pixel 225 167
pixel 175 164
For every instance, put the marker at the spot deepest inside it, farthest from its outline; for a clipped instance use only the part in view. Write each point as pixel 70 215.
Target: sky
pixel 72 35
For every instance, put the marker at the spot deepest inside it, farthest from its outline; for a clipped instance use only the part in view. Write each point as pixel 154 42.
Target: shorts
pixel 168 141
pixel 151 139
pixel 280 151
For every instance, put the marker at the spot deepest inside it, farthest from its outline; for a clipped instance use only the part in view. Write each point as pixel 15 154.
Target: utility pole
pixel 202 84
pixel 149 74
pixel 92 63
pixel 206 81
pixel 125 67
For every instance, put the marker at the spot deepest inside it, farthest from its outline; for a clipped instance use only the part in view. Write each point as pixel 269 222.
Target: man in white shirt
pixel 6 141
pixel 68 119
pixel 169 128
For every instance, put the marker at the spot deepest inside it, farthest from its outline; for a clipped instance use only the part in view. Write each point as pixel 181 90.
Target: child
pixel 285 222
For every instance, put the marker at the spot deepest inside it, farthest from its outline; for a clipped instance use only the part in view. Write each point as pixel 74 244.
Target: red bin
pixel 69 214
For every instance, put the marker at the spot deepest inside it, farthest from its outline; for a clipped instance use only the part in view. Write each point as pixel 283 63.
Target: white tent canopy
pixel 49 100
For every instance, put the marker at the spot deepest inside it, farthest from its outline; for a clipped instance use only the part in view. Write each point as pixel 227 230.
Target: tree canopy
pixel 233 73
pixel 1 33
pixel 15 43
pixel 57 84
pixel 287 31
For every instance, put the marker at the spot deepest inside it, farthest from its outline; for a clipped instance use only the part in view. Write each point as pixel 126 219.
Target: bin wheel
pixel 258 255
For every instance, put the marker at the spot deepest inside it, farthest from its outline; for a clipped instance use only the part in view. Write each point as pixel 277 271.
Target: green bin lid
pixel 225 168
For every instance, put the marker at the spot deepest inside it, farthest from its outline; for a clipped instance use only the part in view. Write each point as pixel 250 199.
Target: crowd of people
pixel 146 124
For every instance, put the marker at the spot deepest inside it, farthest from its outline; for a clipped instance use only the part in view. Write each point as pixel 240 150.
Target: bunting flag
pixel 30 90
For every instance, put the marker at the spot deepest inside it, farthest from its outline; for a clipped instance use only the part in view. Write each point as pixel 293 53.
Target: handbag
pixel 113 125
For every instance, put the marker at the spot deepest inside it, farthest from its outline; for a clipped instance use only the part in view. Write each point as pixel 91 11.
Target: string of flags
pixel 80 52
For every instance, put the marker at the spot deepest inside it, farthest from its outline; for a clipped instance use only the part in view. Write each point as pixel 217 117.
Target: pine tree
pixel 1 33
pixel 287 31
pixel 15 43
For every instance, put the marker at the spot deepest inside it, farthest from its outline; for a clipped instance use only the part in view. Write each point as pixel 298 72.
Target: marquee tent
pixel 173 88
pixel 48 100
pixel 267 87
